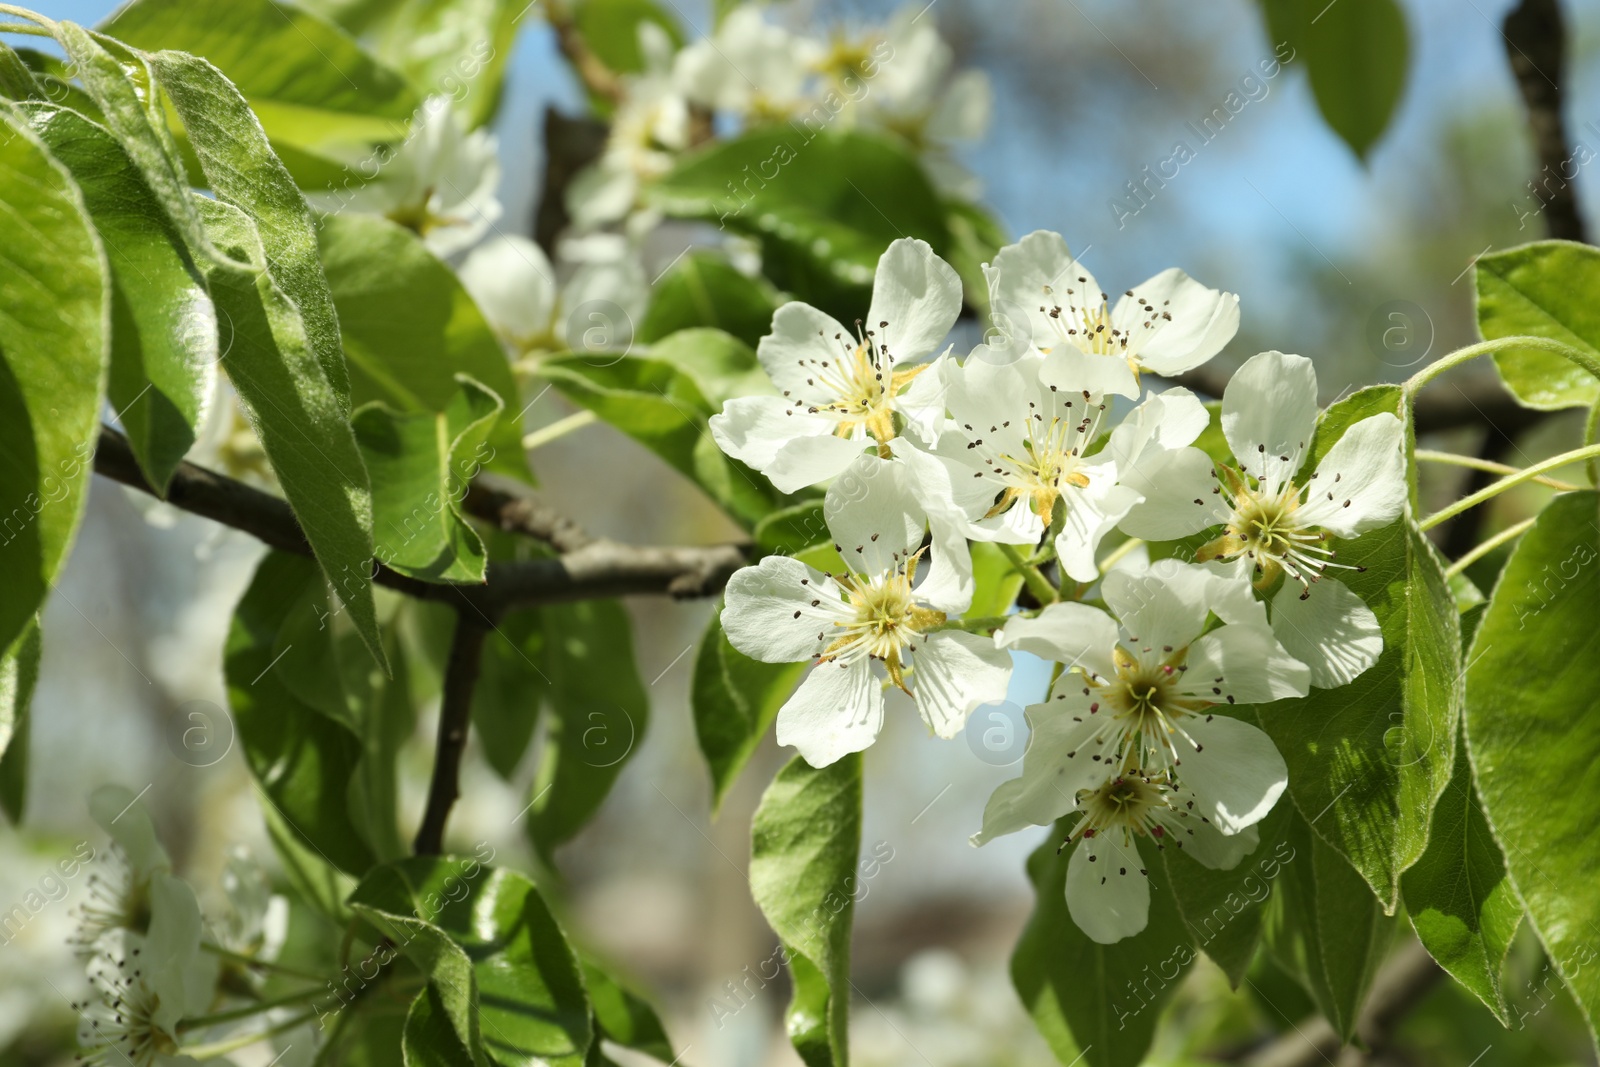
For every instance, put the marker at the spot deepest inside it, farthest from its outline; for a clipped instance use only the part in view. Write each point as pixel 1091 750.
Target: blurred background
pixel 1323 249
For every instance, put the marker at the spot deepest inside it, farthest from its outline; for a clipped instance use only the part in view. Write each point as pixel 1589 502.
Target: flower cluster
pixel 1019 444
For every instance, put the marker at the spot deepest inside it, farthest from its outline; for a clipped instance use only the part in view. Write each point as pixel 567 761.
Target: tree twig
pixel 1536 42
pixel 587 568
pixel 1405 980
pixel 455 715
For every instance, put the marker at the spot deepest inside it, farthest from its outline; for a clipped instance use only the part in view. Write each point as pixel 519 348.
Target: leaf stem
pixel 1456 459
pixel 239 1041
pixel 1032 576
pixel 258 964
pixel 1500 344
pixel 25 28
pixel 558 429
pixel 235 1014
pixel 1494 489
pixel 974 625
pixel 31 16
pixel 1510 533
pixel 1116 554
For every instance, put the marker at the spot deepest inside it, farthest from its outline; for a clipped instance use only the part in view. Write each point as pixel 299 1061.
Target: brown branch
pixel 570 144
pixel 596 76
pixel 1405 980
pixel 455 714
pixel 592 568
pixel 1536 39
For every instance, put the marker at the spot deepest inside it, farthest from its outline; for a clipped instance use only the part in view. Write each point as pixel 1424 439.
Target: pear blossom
pixel 1274 525
pixel 1135 724
pixel 1018 445
pixel 783 611
pixel 515 286
pixel 442 181
pixel 843 389
pixel 128 1017
pixel 749 66
pixel 1042 296
pixel 650 127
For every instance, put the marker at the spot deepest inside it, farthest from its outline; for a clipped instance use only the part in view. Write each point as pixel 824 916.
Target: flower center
pixel 1048 463
pixel 862 384
pixel 887 621
pixel 1132 802
pixel 1264 528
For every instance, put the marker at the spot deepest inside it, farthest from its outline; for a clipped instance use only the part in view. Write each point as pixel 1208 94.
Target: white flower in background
pixel 782 611
pixel 649 128
pixel 515 286
pixel 442 181
pixel 1167 325
pixel 256 921
pixel 1275 526
pixel 843 388
pixel 126 1019
pixel 750 67
pixel 1017 445
pixel 1130 726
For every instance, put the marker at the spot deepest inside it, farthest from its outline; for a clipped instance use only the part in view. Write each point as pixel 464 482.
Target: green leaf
pixel 55 301
pixel 611 29
pixel 19 671
pixel 1461 903
pixel 996 582
pixel 458 48
pixel 307 80
pixel 318 882
pixel 16 80
pixel 735 700
pixel 623 1016
pixel 1533 729
pixel 511 686
pixel 664 409
pixel 704 289
pixel 163 323
pixel 297 416
pixel 1356 54
pixel 241 169
pixel 1098 1002
pixel 409 327
pixel 1223 909
pixel 824 204
pixel 1368 760
pixel 1545 289
pixel 123 88
pixel 598 713
pixel 1325 928
pixel 792 530
pixel 419 466
pixel 504 980
pixel 304 760
pixel 805 838
pixel 720 365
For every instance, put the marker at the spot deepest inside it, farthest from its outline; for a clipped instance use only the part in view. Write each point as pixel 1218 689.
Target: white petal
pixel 948 584
pixel 982 396
pixel 1202 321
pixel 1269 411
pixel 802 338
pixel 962 113
pixel 1091 514
pixel 1360 484
pixel 1235 773
pixel 1166 606
pixel 768 613
pixel 171 946
pixel 1252 666
pixel 837 710
pixel 1180 496
pixel 924 402
pixel 874 515
pixel 512 282
pixel 1068 632
pixel 918 295
pixel 752 429
pixel 1037 270
pixel 1108 891
pixel 1332 631
pixel 956 672
pixel 1161 423
pixel 119 814
pixel 1075 371
pixel 1212 847
pixel 809 460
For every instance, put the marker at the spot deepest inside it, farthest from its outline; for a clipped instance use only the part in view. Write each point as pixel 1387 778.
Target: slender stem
pixel 1456 459
pixel 31 16
pixel 300 996
pixel 27 29
pixel 455 713
pixel 1499 344
pixel 239 1041
pixel 1032 576
pixel 1493 490
pixel 974 625
pixel 1591 433
pixel 1119 552
pixel 1510 533
pixel 560 428
pixel 259 964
